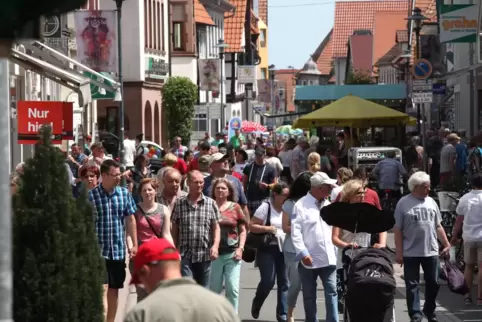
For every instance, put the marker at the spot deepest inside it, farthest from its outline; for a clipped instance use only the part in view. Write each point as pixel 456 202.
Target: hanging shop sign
pixel 68 121
pixel 97 92
pixel 32 115
pixel 459 23
pixel 156 68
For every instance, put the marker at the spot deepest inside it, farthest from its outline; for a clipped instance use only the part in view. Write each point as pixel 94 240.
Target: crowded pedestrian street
pixel 450 308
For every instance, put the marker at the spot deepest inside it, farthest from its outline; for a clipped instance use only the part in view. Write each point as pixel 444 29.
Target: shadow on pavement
pixel 454 303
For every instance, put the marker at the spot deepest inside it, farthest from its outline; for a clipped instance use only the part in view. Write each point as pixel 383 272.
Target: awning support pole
pixel 6 283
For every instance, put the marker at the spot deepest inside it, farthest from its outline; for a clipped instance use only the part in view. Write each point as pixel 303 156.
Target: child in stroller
pixel 370 285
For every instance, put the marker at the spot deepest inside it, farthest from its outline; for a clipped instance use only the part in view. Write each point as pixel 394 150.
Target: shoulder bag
pixel 157 234
pixel 260 240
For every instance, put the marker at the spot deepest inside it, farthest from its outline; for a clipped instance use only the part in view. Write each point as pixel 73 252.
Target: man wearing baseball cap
pixel 314 247
pixel 157 266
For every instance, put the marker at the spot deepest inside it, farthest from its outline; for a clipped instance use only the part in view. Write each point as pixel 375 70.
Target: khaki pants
pixel 472 253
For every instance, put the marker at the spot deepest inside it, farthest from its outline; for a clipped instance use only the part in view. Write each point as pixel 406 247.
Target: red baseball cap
pixel 153 251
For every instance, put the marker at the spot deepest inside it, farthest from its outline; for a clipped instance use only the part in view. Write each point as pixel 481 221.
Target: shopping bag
pixel 455 278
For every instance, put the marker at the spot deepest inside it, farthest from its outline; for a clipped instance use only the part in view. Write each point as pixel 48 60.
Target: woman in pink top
pixel 153 220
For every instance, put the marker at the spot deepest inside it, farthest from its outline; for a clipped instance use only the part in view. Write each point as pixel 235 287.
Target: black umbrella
pixel 357 217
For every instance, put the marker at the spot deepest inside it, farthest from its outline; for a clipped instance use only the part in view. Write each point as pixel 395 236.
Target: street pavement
pixel 450 306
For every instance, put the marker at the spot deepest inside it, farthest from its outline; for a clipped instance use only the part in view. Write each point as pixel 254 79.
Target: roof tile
pixel 353 15
pixel 234 26
pixel 361 52
pixel 323 55
pixel 401 36
pixel 263 10
pixel 389 56
pixel 201 15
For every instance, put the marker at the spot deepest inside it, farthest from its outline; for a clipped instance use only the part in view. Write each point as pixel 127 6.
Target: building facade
pixel 146 48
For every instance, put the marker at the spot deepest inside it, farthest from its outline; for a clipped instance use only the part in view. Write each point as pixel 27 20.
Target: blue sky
pixel 296 28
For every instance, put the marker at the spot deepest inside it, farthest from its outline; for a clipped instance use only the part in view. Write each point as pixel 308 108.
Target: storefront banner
pixel 32 115
pixel 459 23
pixel 209 74
pixel 96 37
pixel 235 123
pixel 68 121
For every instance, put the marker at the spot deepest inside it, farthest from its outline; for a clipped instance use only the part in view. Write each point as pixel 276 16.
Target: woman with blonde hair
pixel 353 191
pixel 314 162
pixel 343 175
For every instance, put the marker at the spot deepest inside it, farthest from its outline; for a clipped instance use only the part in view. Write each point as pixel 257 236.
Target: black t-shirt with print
pixel 258 173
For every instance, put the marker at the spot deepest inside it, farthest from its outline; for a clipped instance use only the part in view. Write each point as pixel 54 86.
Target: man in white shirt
pixel 469 220
pixel 311 238
pixel 129 151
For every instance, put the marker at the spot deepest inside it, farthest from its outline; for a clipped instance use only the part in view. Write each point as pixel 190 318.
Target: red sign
pixel 68 121
pixel 32 115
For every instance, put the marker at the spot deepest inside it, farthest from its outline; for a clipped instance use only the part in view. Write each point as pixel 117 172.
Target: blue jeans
pixel 309 285
pixel 411 272
pixel 294 278
pixel 272 268
pixel 199 271
pixel 226 268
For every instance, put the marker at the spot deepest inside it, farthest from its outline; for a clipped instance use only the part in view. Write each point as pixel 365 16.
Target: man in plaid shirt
pixel 113 211
pixel 195 230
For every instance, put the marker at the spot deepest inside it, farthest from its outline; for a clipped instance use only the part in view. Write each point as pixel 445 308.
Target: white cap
pixel 321 178
pixel 216 157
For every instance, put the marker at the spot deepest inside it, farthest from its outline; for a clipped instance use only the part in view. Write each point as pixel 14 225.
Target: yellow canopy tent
pixel 355 112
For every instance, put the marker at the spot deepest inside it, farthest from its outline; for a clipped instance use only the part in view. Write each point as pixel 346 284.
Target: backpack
pixel 371 285
pixel 476 153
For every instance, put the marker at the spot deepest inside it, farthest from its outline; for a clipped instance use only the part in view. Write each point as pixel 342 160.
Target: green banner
pixel 98 93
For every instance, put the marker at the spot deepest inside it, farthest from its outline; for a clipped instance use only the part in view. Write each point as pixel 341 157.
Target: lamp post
pixel 417 19
pixel 271 71
pixel 221 47
pixel 121 88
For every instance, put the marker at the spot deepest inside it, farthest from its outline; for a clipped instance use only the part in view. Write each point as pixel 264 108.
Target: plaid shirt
pixel 109 211
pixel 195 223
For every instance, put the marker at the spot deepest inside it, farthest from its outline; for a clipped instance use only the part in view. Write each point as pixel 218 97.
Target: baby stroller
pixel 370 286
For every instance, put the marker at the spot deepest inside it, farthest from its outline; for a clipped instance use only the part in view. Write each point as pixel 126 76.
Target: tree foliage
pixel 179 95
pixel 58 270
pixel 359 77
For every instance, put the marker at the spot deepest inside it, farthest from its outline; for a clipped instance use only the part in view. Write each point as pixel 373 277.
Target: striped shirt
pixel 195 222
pixel 110 211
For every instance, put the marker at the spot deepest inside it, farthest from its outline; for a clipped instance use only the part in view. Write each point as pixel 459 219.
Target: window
pixel 151 36
pixel 158 25
pixel 262 38
pixel 177 41
pixel 162 26
pixel 178 18
pixel 146 24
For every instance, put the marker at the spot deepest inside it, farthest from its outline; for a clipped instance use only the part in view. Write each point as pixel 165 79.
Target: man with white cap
pixel 311 238
pixel 157 266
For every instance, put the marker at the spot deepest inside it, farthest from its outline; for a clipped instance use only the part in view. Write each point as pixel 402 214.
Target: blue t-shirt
pixel 240 196
pixel 461 160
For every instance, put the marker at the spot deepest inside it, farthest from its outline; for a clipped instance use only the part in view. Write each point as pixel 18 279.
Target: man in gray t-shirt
pixel 417 226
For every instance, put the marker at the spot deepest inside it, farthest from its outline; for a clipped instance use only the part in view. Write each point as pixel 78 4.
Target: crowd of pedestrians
pixel 185 230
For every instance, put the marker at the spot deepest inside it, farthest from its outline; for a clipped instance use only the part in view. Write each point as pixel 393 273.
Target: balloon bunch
pixel 154 153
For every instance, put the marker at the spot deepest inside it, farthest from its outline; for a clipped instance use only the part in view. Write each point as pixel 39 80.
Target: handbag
pixel 157 234
pixel 260 240
pixel 455 278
